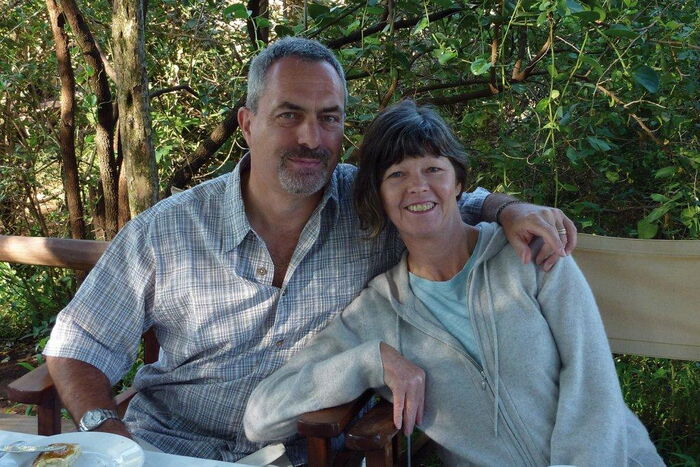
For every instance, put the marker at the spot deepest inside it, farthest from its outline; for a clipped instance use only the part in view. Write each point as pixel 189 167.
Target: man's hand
pixel 116 427
pixel 522 222
pixel 407 384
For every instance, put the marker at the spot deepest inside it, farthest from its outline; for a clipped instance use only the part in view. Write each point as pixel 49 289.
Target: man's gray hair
pixel 304 49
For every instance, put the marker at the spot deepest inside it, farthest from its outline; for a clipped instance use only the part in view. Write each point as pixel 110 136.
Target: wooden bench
pixel 647 291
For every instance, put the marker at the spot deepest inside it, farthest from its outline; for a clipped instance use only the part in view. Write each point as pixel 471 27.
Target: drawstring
pixel 495 347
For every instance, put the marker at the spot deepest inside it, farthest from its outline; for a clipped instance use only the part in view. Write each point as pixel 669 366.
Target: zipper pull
pixel 483 380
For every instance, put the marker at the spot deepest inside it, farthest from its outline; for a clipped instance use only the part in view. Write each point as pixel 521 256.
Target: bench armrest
pixel 327 423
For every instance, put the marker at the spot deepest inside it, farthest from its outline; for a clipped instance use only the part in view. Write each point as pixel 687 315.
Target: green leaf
pixel 647 77
pixel 315 10
pixel 237 10
pixel 646 229
pixel 598 144
pixel 665 172
pixel 587 16
pixel 657 213
pixel 554 94
pixel 519 88
pixel 445 55
pixel 659 198
pixel 620 30
pixel 542 105
pixel 574 6
pixel 480 66
pixel 422 24
pixel 612 176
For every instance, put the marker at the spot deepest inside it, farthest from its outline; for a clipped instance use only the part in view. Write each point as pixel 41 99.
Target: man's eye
pixel 330 118
pixel 287 115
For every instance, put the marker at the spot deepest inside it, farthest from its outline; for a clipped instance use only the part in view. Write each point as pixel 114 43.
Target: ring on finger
pixel 561 231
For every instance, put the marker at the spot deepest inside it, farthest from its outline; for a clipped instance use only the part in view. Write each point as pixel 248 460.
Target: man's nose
pixel 310 134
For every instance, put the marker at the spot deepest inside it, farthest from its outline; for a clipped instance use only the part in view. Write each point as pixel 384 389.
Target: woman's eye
pixel 434 169
pixel 395 174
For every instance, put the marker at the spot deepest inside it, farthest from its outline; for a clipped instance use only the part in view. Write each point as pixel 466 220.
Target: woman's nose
pixel 417 183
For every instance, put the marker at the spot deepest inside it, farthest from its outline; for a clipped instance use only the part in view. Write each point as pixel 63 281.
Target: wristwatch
pixel 92 419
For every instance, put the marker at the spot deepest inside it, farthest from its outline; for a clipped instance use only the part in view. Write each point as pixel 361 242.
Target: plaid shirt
pixel 193 268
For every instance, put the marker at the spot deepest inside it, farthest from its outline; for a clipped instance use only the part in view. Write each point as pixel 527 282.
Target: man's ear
pixel 244 117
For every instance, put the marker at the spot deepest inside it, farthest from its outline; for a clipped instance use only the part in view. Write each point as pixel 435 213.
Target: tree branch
pixel 180 87
pixel 406 23
pixel 206 148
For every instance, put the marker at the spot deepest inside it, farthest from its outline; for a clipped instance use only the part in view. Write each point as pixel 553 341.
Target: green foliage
pixel 665 394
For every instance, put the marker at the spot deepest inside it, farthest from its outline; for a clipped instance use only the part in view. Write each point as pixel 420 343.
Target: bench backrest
pixel 64 253
pixel 648 292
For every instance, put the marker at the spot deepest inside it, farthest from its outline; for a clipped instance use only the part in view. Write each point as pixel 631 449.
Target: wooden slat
pixel 27 424
pixel 44 251
pixel 331 422
pixel 32 387
pixel 374 431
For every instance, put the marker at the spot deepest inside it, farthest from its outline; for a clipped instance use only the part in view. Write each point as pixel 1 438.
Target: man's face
pixel 296 134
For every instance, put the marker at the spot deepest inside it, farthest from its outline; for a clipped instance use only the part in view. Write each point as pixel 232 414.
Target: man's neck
pixel 278 218
pixel 272 208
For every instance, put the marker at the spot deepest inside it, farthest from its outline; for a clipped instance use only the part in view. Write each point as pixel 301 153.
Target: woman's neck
pixel 441 258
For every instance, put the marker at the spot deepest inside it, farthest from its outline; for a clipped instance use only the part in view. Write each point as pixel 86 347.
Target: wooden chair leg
pixel 381 457
pixel 49 415
pixel 318 451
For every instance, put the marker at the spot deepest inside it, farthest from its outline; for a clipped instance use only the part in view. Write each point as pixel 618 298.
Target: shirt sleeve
pixel 470 205
pixel 336 367
pixel 103 323
pixel 590 410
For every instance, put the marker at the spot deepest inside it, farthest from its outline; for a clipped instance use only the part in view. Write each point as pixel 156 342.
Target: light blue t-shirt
pixel 447 301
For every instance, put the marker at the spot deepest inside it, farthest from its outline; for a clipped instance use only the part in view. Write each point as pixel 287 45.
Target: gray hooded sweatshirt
pixel 546 393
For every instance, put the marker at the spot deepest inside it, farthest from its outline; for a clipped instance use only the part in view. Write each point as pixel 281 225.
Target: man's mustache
pixel 306 153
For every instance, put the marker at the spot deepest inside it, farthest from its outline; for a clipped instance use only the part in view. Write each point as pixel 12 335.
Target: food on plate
pixel 62 458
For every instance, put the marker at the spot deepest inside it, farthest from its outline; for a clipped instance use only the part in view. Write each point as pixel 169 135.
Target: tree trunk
pixel 128 29
pixel 105 122
pixel 71 181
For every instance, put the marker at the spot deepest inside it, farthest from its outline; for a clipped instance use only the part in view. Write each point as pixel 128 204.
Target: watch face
pixel 92 418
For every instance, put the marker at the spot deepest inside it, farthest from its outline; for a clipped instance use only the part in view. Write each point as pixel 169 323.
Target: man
pixel 236 274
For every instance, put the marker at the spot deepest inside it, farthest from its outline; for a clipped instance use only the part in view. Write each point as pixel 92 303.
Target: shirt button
pixel 261 271
pixel 284 292
pixel 279 343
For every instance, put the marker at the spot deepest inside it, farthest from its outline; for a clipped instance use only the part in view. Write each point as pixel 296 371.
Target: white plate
pixel 97 450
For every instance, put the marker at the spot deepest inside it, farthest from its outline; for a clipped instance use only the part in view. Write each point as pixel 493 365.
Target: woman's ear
pixel 458 190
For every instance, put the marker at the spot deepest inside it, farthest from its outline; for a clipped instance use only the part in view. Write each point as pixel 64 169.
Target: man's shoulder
pixel 344 175
pixel 205 197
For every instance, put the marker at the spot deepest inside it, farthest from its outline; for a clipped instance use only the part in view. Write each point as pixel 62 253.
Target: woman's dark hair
pixel 400 131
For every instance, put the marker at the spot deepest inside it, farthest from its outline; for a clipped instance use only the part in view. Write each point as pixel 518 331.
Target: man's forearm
pixel 83 387
pixel 492 203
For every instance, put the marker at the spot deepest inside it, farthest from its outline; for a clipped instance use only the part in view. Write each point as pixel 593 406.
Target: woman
pixel 517 366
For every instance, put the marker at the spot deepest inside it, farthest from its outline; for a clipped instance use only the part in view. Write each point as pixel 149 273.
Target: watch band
pixel 92 419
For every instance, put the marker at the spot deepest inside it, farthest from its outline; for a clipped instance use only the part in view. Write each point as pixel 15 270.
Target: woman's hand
pixel 522 222
pixel 407 384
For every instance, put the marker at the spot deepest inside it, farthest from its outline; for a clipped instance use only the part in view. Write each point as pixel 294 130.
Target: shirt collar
pixel 236 225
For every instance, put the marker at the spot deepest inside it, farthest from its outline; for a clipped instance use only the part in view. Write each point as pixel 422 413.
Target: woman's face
pixel 419 196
